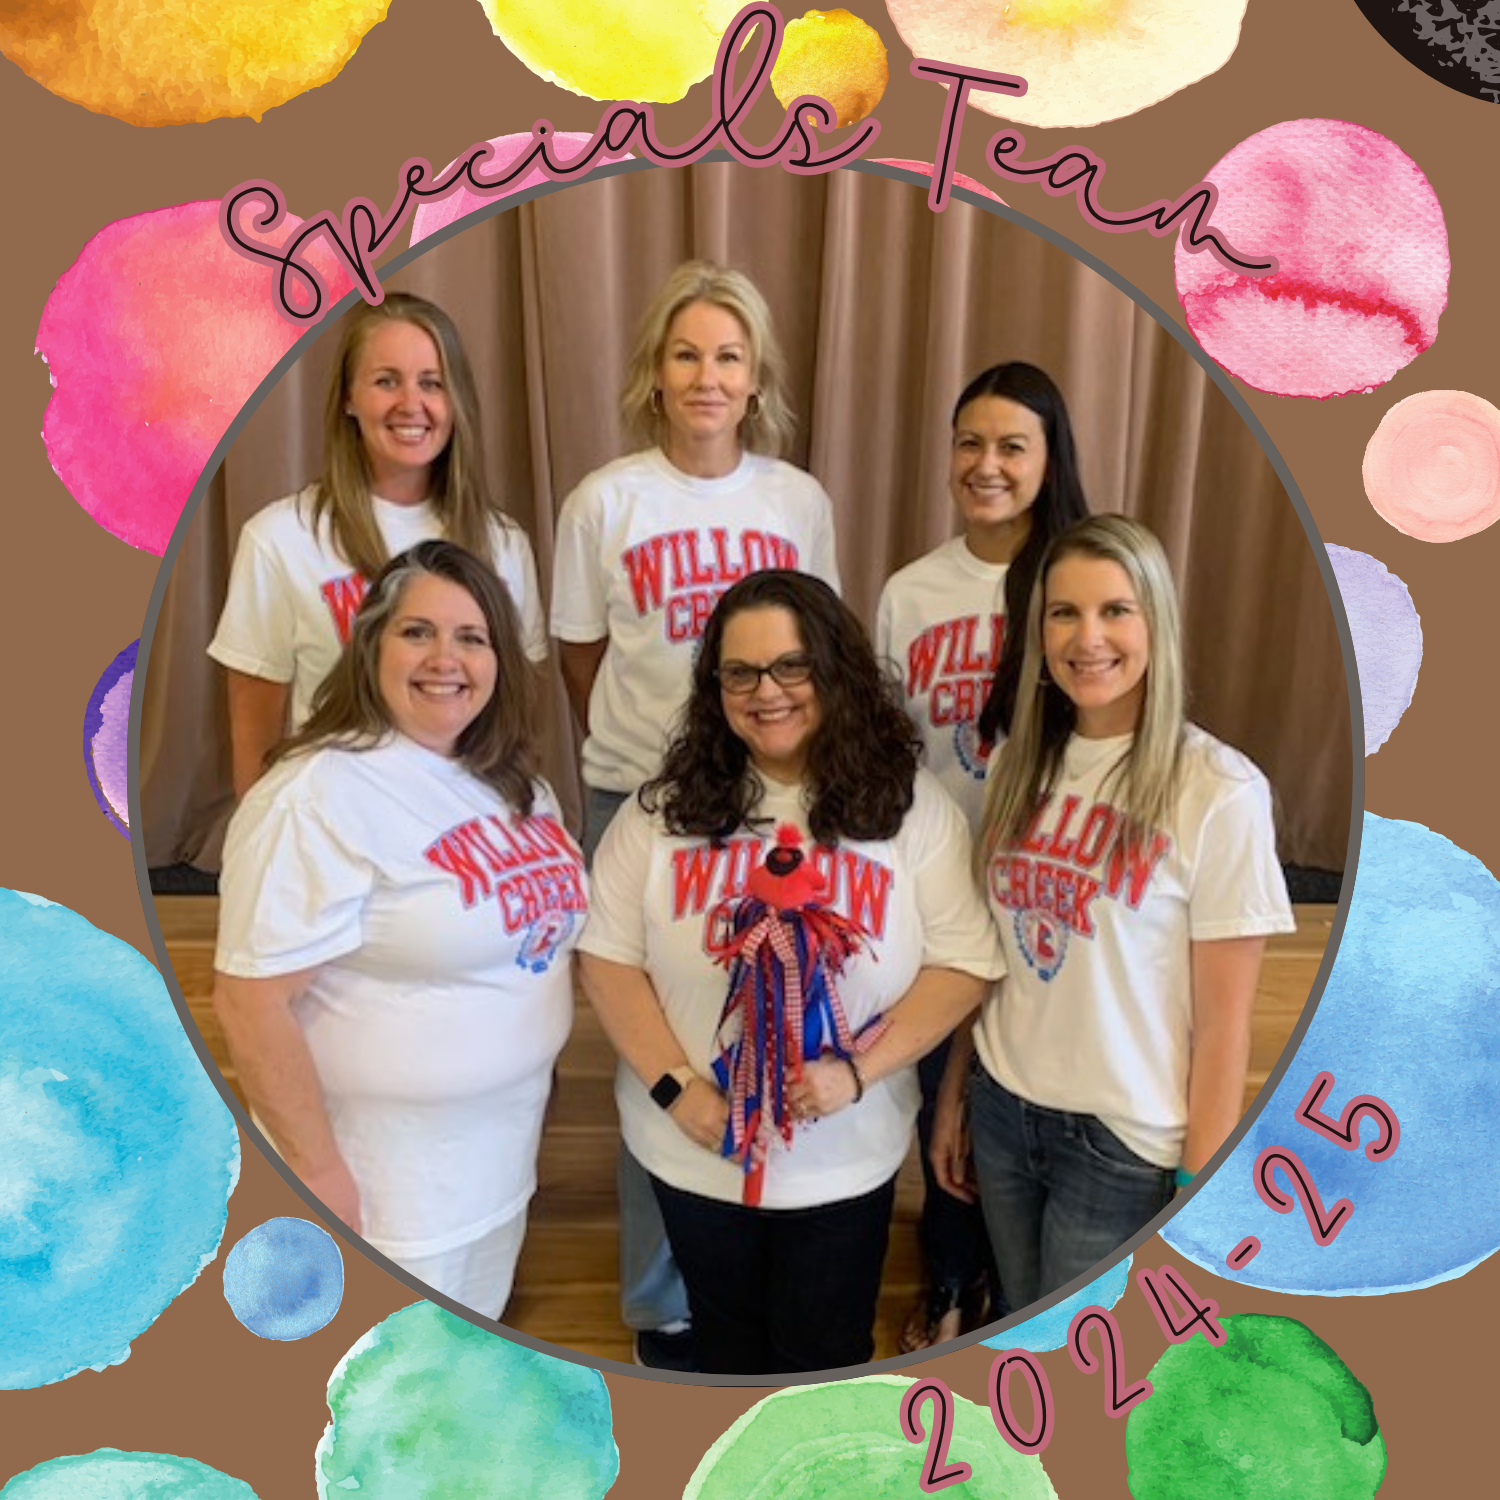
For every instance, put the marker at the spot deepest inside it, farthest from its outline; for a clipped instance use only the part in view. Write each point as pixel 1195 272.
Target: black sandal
pixel 942 1313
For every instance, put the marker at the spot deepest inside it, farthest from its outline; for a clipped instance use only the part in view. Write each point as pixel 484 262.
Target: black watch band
pixel 666 1091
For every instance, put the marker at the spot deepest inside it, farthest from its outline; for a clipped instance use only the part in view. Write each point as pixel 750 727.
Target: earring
pixel 657 406
pixel 752 404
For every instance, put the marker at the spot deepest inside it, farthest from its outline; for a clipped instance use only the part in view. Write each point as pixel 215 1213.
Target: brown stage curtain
pixel 885 310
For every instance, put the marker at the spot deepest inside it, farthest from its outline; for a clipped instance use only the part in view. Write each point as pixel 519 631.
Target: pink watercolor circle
pixel 438 213
pixel 1432 469
pixel 154 338
pixel 1363 251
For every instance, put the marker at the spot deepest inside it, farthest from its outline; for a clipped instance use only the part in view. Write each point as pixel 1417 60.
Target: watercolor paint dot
pixel 1049 1330
pixel 1417 977
pixel 1363 261
pixel 1432 468
pixel 836 56
pixel 653 51
pixel 1457 44
pixel 106 748
pixel 1387 634
pixel 438 213
pixel 117 1154
pixel 1084 61
pixel 818 1442
pixel 1272 1413
pixel 109 1474
pixel 926 168
pixel 285 1279
pixel 154 338
pixel 193 60
pixel 501 1409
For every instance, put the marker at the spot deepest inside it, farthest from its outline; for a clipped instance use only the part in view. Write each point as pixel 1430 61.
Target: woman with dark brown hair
pixel 397 904
pixel 790 806
pixel 402 463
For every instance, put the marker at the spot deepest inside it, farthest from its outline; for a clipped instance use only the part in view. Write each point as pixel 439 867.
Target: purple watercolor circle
pixel 1387 634
pixel 106 737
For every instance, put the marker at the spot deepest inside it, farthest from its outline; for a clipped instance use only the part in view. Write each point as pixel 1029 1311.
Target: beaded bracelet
pixel 859 1081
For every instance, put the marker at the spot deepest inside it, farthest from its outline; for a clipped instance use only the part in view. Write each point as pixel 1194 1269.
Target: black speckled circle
pixel 1455 41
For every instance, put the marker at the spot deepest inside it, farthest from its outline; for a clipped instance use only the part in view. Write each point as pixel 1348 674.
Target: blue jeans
pixel 651 1291
pixel 1060 1192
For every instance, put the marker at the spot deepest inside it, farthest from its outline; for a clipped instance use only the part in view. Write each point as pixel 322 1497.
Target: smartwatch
pixel 668 1088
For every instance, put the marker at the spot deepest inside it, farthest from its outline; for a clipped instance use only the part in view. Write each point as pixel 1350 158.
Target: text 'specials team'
pixel 977 877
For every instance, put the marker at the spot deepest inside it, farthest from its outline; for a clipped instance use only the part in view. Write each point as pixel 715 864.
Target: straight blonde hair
pixel 459 494
pixel 1146 779
pixel 768 424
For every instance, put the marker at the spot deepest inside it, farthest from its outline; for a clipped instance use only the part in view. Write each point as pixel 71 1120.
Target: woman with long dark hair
pixel 790 806
pixel 1013 477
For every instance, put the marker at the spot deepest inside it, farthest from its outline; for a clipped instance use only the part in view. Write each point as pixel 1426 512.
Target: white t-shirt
pixel 661 903
pixel 1095 1014
pixel 941 620
pixel 292 597
pixel 643 553
pixel 440 927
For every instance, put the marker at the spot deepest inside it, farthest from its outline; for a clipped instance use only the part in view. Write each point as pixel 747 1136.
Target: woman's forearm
pixel 276 1069
pixel 937 1003
pixel 257 721
pixel 1225 974
pixel 626 1003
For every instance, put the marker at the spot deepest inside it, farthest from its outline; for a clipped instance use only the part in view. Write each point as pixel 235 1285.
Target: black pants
pixel 776 1291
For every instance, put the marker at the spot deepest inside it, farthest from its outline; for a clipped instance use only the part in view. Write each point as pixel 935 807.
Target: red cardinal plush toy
pixel 783 1008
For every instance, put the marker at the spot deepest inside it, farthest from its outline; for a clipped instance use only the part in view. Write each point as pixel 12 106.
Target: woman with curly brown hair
pixel 791 796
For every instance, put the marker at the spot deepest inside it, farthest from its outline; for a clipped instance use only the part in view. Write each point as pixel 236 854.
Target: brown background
pixel 431 80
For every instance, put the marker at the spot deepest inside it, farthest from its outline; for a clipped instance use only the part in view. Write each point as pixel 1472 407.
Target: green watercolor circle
pixel 815 1442
pixel 1274 1414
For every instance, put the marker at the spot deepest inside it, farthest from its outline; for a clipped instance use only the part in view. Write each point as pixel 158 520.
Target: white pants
pixel 478 1274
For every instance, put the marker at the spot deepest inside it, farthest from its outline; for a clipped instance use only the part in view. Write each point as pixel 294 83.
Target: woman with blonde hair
pixel 398 901
pixel 1129 859
pixel 645 547
pixel 402 463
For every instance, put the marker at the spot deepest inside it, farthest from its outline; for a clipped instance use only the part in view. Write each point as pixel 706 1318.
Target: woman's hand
pixel 948 1147
pixel 701 1112
pixel 827 1086
pixel 334 1187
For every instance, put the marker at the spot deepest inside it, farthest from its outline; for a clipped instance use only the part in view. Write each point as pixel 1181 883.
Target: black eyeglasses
pixel 740 678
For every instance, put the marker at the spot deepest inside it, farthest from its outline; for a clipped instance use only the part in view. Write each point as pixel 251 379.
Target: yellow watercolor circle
pixel 617 49
pixel 174 62
pixel 835 55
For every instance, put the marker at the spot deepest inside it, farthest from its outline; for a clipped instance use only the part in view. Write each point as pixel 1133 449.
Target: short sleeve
pixel 291 894
pixel 1238 889
pixel 883 625
pixel 957 931
pixel 254 635
pixel 579 611
pixel 616 928
pixel 824 562
pixel 516 565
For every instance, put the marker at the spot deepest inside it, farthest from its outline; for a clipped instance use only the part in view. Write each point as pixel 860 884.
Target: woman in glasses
pixel 791 826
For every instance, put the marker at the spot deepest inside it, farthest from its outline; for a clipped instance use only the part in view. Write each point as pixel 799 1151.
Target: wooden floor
pixel 567 1289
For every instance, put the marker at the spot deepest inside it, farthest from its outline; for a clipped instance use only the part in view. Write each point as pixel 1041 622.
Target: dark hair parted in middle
pixel 349 711
pixel 862 761
pixel 1059 503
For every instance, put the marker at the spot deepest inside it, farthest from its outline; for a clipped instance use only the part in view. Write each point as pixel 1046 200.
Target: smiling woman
pixel 393 1032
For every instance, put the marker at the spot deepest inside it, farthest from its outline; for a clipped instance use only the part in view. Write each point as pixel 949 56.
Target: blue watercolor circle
pixel 1049 1330
pixel 1387 637
pixel 106 722
pixel 110 1474
pixel 1411 1015
pixel 285 1279
pixel 117 1155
